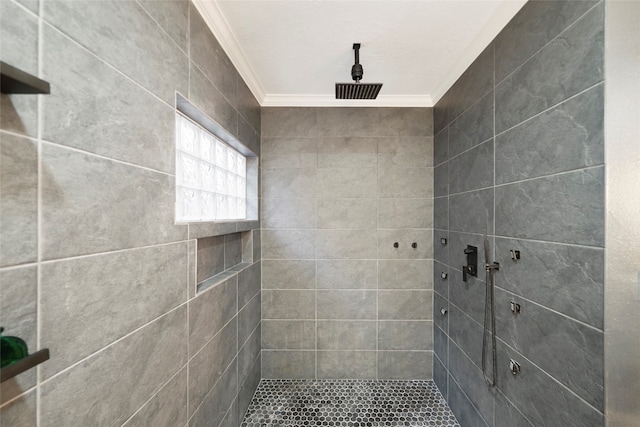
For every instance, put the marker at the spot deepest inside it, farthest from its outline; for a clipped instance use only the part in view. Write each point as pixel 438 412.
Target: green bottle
pixel 12 349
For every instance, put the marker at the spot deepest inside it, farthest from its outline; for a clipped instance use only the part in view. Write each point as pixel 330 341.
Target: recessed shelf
pixel 15 80
pixel 22 365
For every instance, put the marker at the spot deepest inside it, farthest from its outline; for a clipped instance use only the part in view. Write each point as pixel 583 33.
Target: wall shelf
pixel 22 365
pixel 17 81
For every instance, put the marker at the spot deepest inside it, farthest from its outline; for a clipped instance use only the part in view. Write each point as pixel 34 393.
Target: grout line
pixel 111 252
pixel 100 156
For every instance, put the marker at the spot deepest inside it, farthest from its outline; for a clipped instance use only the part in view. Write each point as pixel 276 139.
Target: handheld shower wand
pixel 489 316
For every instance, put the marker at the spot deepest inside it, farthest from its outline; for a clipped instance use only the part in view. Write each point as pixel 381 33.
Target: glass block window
pixel 211 176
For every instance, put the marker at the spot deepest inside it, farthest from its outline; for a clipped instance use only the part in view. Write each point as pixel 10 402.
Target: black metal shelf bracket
pixel 17 81
pixel 22 365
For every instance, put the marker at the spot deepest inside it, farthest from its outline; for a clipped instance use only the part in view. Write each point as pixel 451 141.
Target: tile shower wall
pixel 339 187
pixel 92 265
pixel 519 155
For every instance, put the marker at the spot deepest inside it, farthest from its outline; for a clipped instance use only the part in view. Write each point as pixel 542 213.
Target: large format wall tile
pixel 405 305
pixel 346 244
pixel 470 378
pixel 135 287
pixel 405 121
pixel 474 83
pixel 472 212
pixel 219 400
pixel 19 37
pixel 210 100
pixel 534 26
pixel 396 181
pixel 346 364
pixel 570 136
pixel 347 152
pixel 288 364
pixel 562 208
pixel 288 122
pixel 210 257
pixel 289 152
pixel 405 274
pixel 208 55
pixel 173 17
pixel 407 152
pixel 346 304
pixel 405 213
pixel 248 107
pixel 346 335
pixel 249 318
pixel 405 335
pixel 466 333
pixel 351 122
pixel 288 304
pixel 125 36
pixel 289 183
pixel 566 66
pixel 90 89
pixel 91 205
pixel 22 412
pixel 19 317
pixel 288 274
pixel 167 407
pixel 289 334
pixel 19 207
pixel 568 279
pixel 346 214
pixel 207 365
pixel 288 244
pixel 344 182
pixel 472 170
pixel 210 311
pixel 347 274
pixel 472 127
pixel 441 147
pixel 405 365
pixel 541 334
pixel 154 354
pixel 556 405
pixel 462 408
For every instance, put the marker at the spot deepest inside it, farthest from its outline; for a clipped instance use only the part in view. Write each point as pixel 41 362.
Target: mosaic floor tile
pixel 352 403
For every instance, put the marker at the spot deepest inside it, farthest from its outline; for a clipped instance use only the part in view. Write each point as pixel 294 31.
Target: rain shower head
pixel 357 90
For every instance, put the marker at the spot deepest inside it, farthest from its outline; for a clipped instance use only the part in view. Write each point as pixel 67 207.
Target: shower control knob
pixel 414 245
pixel 396 244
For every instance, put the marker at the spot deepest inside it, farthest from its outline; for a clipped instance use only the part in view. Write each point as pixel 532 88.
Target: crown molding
pixel 505 12
pixel 280 100
pixel 219 26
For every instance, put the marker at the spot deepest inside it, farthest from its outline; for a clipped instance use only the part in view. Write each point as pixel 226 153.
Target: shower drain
pixel 353 403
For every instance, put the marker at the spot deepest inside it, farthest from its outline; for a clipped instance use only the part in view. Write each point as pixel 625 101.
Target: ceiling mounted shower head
pixel 357 90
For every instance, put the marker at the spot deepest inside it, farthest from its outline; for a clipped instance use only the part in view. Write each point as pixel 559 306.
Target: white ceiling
pixel 292 52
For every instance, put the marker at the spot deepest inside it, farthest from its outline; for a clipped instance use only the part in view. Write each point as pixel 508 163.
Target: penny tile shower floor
pixel 353 403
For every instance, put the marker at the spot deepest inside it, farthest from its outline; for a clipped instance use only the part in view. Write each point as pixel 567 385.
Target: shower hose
pixel 489 317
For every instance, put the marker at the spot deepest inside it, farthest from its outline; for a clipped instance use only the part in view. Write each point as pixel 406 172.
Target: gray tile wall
pixel 340 186
pixel 519 155
pixel 92 265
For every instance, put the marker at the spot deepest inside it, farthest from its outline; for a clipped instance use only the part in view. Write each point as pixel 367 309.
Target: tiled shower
pixel 354 269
